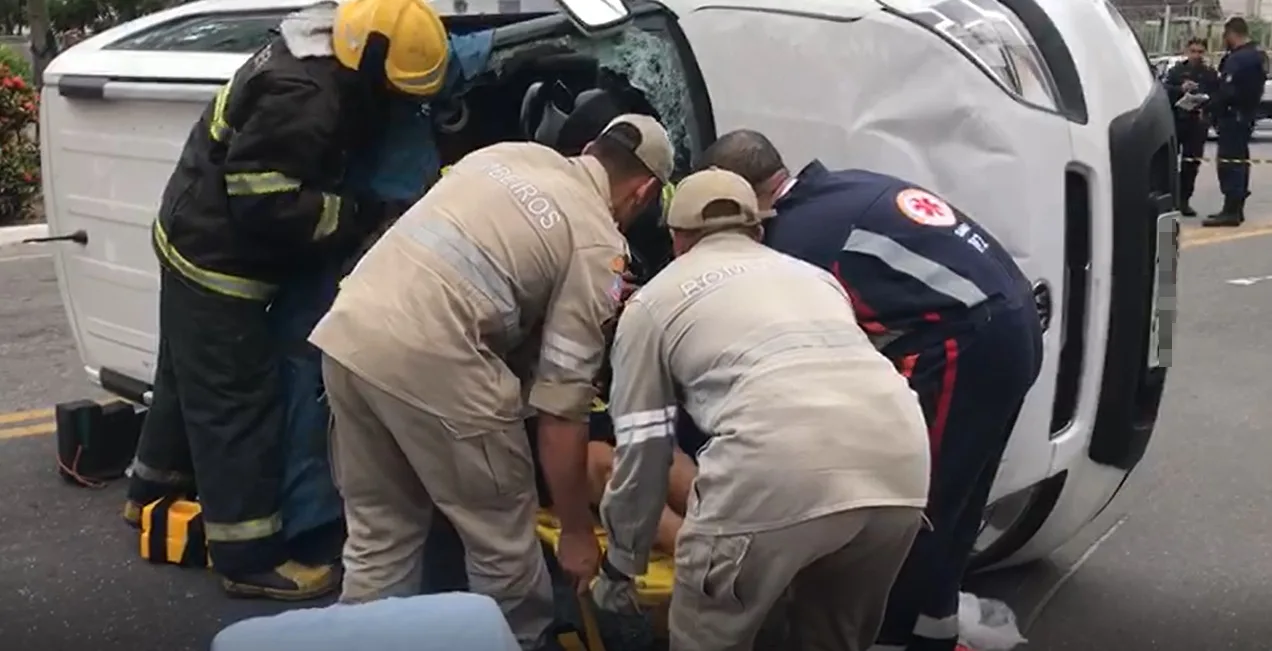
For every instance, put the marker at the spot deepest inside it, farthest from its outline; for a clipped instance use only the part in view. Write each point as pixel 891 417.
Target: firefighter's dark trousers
pixel 971 377
pixel 216 419
pixel 1191 130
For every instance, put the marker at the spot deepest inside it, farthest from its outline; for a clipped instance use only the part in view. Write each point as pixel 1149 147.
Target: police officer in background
pixel 1242 73
pixel 258 197
pixel 947 304
pixel 1190 76
pixel 817 470
pixel 488 296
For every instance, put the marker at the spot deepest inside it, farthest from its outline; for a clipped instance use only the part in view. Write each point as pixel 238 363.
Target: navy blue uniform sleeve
pixel 1210 81
pixel 1173 81
pixel 1241 78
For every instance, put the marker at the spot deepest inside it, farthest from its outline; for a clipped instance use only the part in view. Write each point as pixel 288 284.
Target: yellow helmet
pixel 407 37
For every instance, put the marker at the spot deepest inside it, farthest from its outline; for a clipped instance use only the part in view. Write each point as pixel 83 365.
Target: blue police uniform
pixel 1191 127
pixel 945 301
pixel 1241 79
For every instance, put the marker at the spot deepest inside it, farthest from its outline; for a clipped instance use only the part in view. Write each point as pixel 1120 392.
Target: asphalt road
pixel 1182 560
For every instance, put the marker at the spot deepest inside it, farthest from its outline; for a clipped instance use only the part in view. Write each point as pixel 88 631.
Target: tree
pixel 12 17
pixel 43 43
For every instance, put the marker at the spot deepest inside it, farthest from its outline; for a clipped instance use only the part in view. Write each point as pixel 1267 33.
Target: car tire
pixel 1001 552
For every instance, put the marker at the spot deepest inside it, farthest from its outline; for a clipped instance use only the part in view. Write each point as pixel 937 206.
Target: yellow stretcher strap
pixel 653 588
pixel 591 630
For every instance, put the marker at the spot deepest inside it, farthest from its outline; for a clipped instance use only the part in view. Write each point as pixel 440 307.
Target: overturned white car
pixel 1041 118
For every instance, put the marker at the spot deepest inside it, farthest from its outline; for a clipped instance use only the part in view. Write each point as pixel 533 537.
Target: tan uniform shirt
pixel 806 418
pixel 503 274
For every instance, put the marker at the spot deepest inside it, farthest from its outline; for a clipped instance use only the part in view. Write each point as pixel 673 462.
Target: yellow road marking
pixel 28 430
pixel 1198 236
pixel 31 422
pixel 24 416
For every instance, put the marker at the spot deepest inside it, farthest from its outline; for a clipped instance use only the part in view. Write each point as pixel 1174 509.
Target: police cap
pixel 714 199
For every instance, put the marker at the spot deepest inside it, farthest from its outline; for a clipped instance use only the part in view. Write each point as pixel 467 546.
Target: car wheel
pixel 1011 521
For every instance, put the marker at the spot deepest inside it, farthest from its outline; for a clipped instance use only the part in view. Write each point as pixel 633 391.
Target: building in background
pixel 1249 8
pixel 1164 26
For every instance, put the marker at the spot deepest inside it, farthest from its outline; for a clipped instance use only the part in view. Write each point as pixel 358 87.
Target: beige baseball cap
pixel 698 191
pixel 647 140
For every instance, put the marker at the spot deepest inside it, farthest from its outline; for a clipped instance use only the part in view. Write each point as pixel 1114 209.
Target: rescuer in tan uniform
pixel 488 296
pixel 817 470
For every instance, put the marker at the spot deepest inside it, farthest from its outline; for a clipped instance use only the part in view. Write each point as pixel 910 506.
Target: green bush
pixel 19 154
pixel 15 63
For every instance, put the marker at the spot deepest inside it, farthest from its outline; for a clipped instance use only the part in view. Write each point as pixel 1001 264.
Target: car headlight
pixel 993 37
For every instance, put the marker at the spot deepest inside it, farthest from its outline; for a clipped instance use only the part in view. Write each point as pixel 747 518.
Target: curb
pixel 15 234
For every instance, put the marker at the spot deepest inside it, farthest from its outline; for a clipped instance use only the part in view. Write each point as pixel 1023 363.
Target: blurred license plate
pixel 1162 311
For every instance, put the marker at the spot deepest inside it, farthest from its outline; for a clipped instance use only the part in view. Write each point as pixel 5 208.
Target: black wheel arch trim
pixel 1144 179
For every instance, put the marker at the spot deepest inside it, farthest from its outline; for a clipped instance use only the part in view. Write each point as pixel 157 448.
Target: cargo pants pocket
pixel 710 566
pixel 492 466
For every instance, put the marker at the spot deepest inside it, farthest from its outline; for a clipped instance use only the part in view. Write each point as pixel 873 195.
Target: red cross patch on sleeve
pixel 925 208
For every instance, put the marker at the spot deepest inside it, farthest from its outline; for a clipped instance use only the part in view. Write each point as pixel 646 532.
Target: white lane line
pixel 1068 574
pixel 1247 281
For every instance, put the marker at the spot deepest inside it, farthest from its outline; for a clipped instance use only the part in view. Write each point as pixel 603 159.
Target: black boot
pixel 1187 210
pixel 1229 216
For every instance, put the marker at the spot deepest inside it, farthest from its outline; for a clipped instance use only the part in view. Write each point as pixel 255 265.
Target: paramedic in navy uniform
pixel 948 305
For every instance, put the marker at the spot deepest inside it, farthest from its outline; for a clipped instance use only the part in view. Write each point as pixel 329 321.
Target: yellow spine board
pixel 653 587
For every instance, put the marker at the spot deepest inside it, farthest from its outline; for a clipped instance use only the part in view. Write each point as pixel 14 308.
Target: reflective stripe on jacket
pixel 255 196
pixel 907 258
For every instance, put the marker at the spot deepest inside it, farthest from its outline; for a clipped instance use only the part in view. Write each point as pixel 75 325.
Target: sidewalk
pixel 15 234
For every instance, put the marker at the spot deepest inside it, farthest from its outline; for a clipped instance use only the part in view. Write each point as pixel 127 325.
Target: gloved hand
pixel 616 594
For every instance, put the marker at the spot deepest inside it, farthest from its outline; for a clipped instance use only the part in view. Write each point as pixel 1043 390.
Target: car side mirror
pixel 596 17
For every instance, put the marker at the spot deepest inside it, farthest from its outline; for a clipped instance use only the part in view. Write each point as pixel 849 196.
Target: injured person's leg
pixel 600 465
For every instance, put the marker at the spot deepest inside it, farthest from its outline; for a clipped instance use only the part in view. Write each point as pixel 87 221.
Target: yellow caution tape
pixel 1227 161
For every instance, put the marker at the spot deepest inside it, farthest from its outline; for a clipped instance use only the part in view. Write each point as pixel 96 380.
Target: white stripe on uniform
pixel 642 426
pixel 567 354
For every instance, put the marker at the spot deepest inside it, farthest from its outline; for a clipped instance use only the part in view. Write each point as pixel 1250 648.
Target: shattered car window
pixel 652 64
pixel 653 67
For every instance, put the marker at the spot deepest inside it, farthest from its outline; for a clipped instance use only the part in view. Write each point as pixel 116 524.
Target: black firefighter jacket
pixel 256 196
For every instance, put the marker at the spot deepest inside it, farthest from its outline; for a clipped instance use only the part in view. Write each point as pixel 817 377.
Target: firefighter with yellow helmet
pixel 260 195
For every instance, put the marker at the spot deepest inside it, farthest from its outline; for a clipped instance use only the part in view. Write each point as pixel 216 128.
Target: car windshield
pixel 224 33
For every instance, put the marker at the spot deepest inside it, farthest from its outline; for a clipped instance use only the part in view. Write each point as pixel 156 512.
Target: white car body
pixel 1067 166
